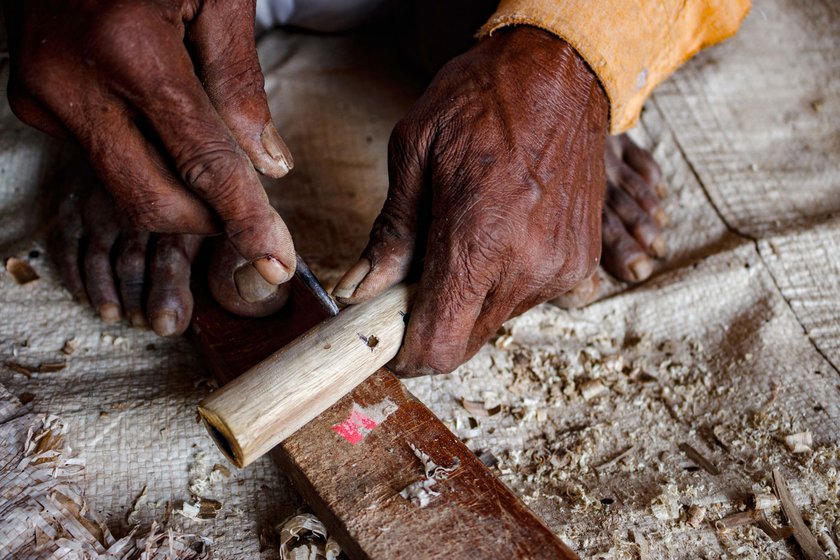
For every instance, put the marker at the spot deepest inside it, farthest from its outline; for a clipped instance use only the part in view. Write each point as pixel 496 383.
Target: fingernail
pixel 109 312
pixel 641 269
pixel 659 246
pixel 660 217
pixel 277 148
pixel 346 287
pixel 252 287
pixel 165 323
pixel 138 320
pixel 271 269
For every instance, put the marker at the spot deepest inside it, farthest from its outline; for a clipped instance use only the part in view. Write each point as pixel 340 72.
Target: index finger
pixel 164 88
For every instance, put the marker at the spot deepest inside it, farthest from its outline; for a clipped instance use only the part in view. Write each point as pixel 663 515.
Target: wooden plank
pixel 354 487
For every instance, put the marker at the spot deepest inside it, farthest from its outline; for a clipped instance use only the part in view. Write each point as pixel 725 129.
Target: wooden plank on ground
pixel 352 473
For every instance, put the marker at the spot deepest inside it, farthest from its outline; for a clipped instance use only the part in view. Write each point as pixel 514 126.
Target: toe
pixel 102 232
pixel 643 193
pixel 622 255
pixel 170 303
pixel 240 288
pixel 131 274
pixel 642 162
pixel 66 238
pixel 636 221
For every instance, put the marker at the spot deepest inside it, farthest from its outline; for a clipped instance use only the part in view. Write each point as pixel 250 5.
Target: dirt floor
pixel 637 427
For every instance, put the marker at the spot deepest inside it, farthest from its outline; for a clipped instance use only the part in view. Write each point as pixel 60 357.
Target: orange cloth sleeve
pixel 631 45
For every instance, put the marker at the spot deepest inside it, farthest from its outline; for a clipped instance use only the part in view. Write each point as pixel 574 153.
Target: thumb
pixel 390 252
pixel 222 41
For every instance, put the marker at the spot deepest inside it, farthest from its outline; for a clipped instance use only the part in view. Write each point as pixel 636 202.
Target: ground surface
pixel 731 346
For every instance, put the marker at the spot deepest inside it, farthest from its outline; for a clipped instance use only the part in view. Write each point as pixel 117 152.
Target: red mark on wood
pixel 362 420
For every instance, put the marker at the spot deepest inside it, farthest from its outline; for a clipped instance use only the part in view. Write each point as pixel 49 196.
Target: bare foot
pixel 633 217
pixel 145 278
pixel 631 232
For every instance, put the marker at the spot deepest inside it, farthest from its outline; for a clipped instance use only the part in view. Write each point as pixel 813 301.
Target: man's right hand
pixel 166 98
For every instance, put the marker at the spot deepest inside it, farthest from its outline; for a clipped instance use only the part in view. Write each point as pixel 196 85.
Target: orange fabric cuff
pixel 631 45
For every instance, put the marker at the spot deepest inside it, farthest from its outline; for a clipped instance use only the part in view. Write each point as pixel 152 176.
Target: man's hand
pixel 497 182
pixel 166 98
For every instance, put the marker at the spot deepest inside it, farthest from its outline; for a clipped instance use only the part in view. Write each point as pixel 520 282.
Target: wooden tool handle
pixel 261 408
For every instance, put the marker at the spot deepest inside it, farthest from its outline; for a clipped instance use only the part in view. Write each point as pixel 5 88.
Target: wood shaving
pixel 21 271
pixel 70 346
pixel 809 545
pixel 696 515
pixel 304 537
pixel 45 514
pixel 421 492
pixel 800 442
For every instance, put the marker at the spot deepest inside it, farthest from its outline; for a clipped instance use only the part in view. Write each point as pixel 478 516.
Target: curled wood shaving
pixel 420 492
pixel 44 513
pixel 304 537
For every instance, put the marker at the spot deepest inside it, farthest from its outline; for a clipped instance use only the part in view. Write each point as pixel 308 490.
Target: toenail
pixel 138 320
pixel 641 269
pixel 660 217
pixel 165 323
pixel 251 286
pixel 109 312
pixel 659 246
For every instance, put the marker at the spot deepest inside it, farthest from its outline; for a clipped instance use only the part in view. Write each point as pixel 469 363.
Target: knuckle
pixel 170 255
pixel 119 28
pixel 214 170
pixel 130 262
pixel 20 105
pixel 146 217
pixel 234 77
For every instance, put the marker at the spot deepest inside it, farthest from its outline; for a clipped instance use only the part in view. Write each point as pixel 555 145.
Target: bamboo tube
pixel 259 409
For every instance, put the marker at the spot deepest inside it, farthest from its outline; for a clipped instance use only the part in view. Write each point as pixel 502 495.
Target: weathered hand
pixel 167 100
pixel 497 183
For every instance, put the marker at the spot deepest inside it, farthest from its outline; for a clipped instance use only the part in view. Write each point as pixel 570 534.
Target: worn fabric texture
pixel 631 46
pixel 732 347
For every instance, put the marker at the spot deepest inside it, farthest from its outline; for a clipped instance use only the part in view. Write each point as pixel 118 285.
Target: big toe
pixel 239 286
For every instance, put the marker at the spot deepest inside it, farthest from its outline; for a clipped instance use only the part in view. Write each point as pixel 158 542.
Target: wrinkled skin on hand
pixel 166 98
pixel 497 184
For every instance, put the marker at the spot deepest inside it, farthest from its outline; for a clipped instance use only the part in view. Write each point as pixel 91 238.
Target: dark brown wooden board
pixel 354 488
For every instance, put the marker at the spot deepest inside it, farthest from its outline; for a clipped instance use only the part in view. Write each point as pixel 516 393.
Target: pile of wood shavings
pixel 592 433
pixel 45 514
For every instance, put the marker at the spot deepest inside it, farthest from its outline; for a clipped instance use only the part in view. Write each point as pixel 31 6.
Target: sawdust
pixel 205 481
pixel 634 433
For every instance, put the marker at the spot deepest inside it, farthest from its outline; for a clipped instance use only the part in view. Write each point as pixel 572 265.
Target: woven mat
pixel 730 349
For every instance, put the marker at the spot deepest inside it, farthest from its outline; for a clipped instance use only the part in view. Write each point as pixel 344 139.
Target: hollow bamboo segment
pixel 259 409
